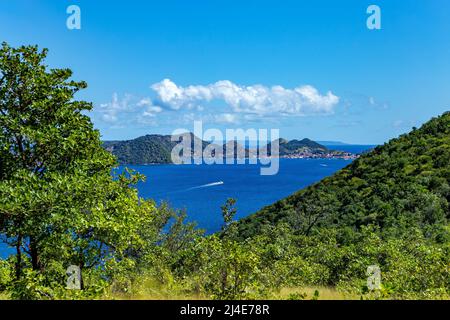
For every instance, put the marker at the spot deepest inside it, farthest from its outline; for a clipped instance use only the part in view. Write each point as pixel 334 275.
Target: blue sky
pixel 310 68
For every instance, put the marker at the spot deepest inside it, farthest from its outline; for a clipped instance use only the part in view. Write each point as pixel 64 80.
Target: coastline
pixel 294 156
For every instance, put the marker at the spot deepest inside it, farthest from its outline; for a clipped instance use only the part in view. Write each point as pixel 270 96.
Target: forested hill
pixel 155 148
pixel 145 149
pixel 400 185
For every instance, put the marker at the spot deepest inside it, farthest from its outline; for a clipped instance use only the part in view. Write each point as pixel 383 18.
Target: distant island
pixel 156 149
pixel 333 143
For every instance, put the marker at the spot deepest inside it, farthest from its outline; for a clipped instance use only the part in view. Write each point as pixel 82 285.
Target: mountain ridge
pixel 156 149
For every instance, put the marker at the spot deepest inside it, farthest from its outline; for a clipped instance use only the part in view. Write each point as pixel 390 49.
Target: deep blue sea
pixel 202 189
pixel 353 148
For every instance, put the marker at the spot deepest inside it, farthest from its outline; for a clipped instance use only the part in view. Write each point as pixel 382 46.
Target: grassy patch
pixel 308 293
pixel 4 296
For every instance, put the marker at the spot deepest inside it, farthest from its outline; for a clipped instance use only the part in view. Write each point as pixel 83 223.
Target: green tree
pixel 59 203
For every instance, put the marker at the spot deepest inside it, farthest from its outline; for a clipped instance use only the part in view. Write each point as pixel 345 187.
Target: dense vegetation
pixel 143 150
pixel 402 185
pixel 60 206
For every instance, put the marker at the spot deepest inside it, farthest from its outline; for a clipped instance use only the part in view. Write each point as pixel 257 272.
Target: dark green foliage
pixel 401 185
pixel 59 204
pixel 149 149
pixel 411 266
pixel 143 150
pixel 223 268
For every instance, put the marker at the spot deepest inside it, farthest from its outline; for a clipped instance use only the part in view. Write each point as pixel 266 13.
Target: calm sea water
pixel 351 148
pixel 202 189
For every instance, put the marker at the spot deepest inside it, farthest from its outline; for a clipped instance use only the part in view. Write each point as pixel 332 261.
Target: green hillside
pixel 142 150
pixel 148 149
pixel 401 185
pixel 288 147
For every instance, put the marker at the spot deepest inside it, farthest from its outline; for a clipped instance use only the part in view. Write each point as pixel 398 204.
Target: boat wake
pixel 218 183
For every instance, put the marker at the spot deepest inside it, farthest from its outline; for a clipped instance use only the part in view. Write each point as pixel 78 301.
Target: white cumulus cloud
pixel 110 111
pixel 127 109
pixel 255 99
pixel 226 118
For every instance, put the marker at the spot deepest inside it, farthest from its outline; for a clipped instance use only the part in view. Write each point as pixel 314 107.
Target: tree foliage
pixel 402 185
pixel 59 203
